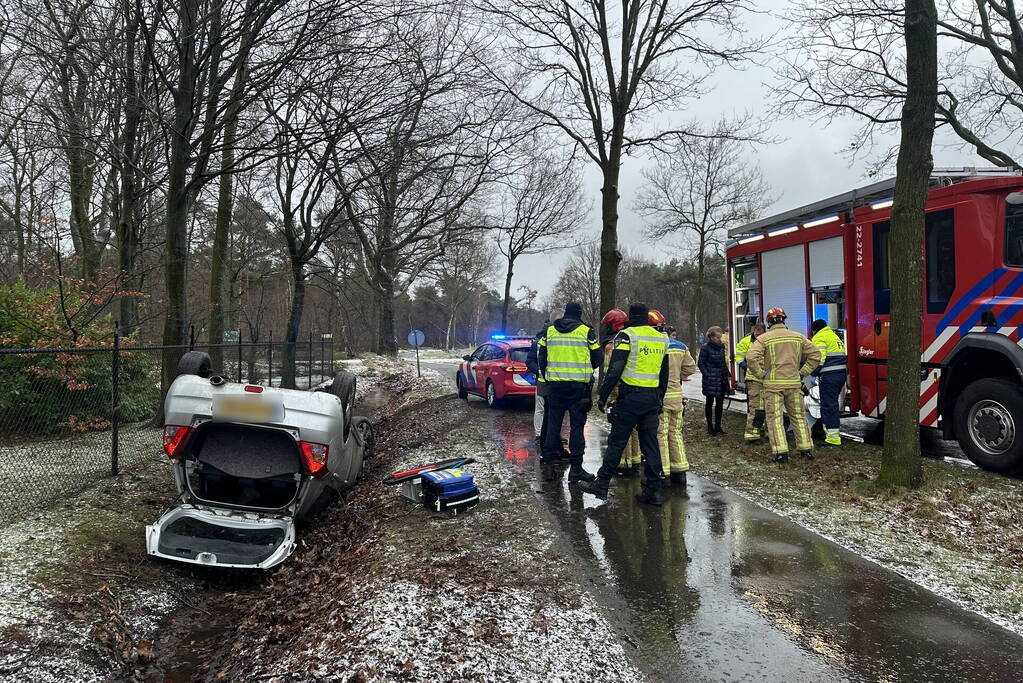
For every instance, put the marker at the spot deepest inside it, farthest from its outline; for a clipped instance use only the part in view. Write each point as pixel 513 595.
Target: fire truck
pixel 830 260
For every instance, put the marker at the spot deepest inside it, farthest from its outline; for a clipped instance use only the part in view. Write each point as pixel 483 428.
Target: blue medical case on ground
pixel 449 490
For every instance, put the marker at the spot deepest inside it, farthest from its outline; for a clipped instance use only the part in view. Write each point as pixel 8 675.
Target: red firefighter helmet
pixel 655 318
pixel 775 315
pixel 615 319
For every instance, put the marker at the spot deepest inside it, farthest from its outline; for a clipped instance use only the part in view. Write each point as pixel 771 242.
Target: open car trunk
pixel 221 538
pixel 243 466
pixel 243 482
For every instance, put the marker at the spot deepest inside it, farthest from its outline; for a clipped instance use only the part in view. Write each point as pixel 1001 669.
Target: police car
pixel 497 370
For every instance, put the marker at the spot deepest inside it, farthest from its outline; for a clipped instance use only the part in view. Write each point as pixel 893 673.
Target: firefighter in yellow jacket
pixel 754 393
pixel 781 358
pixel 674 464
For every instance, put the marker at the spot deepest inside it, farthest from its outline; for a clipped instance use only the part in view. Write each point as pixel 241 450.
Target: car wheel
pixel 195 363
pixel 988 421
pixel 343 387
pixel 462 393
pixel 492 400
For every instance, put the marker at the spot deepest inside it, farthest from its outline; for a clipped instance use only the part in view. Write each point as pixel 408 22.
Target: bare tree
pixel 197 47
pixel 433 150
pixel 848 57
pixel 698 193
pixel 460 273
pixel 539 211
pixel 900 457
pixel 608 77
pixel 580 281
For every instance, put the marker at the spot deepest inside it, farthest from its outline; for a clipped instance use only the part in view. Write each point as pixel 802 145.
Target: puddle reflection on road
pixel 712 587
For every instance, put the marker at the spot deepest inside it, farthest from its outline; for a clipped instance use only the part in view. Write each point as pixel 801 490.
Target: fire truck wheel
pixel 989 424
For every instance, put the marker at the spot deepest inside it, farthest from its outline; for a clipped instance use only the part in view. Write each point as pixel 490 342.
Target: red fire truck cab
pixel 830 260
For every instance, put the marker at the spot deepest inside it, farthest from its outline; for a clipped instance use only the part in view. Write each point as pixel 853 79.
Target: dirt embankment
pixel 379 589
pixel 385 590
pixel 959 534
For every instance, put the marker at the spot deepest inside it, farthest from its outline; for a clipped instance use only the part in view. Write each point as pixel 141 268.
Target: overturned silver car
pixel 248 461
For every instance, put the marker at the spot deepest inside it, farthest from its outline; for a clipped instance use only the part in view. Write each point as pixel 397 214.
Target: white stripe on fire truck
pixel 936 345
pixel 927 403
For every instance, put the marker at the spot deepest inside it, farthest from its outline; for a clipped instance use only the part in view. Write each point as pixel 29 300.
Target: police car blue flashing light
pixel 498 337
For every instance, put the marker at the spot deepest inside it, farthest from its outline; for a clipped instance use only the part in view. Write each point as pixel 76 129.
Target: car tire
pixel 196 363
pixel 988 420
pixel 343 387
pixel 492 400
pixel 462 393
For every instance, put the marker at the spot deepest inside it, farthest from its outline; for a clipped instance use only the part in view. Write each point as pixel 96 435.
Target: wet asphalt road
pixel 711 587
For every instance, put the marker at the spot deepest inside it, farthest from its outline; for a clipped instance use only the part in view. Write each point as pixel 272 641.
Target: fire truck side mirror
pixel 1014 198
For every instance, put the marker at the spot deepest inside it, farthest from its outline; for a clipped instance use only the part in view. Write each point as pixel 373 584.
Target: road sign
pixel 416 339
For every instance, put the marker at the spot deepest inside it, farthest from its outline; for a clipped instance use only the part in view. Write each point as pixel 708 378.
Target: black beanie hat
pixel 639 313
pixel 574 309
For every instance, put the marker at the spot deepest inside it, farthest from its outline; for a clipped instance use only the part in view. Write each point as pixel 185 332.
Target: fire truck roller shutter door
pixel 784 284
pixel 826 263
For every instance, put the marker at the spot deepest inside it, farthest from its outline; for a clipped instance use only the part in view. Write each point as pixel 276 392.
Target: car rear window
pixel 519 354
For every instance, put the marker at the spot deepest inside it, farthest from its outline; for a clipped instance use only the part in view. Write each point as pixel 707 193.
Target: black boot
pixel 547 470
pixel 806 454
pixel 678 478
pixel 598 487
pixel 650 497
pixel 781 457
pixel 577 473
pixel 710 430
pixel 624 471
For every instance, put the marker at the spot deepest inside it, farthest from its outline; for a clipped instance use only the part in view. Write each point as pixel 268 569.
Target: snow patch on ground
pixel 407 630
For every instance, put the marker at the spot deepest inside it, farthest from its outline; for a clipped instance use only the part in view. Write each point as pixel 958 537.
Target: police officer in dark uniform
pixel 639 367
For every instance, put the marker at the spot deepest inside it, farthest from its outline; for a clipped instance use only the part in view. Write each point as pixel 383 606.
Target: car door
pixel 469 370
pixel 485 366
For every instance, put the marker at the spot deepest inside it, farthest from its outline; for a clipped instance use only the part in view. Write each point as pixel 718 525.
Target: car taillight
pixel 314 457
pixel 174 437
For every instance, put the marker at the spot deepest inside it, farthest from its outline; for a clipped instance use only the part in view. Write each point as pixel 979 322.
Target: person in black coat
pixel 717 378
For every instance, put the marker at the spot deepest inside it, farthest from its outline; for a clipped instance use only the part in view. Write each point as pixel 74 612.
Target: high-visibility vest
pixel 647 347
pixel 833 356
pixel 742 347
pixel 568 354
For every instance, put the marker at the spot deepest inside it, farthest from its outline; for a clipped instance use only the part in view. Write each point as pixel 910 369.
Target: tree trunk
pixel 450 334
pixel 507 295
pixel 126 231
pixel 694 312
pixel 175 322
pixel 387 342
pixel 610 257
pixel 222 229
pixel 288 374
pixel 900 458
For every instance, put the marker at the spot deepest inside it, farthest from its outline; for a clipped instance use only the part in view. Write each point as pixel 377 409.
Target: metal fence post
pixel 309 365
pixel 323 343
pixel 115 400
pixel 270 361
pixel 239 355
pixel 191 337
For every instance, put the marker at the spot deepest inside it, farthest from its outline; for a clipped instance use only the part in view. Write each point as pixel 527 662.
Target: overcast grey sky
pixel 806 164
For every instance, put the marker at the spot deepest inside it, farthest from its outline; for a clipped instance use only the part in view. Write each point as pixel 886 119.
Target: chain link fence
pixel 72 416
